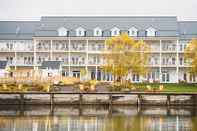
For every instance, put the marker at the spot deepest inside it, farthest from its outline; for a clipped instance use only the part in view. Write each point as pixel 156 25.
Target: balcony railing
pixel 95 47
pixel 6 49
pixel 169 48
pixel 77 47
pixel 62 47
pixel 24 63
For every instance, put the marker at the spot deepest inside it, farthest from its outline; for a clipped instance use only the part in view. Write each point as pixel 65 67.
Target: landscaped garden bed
pixel 95 86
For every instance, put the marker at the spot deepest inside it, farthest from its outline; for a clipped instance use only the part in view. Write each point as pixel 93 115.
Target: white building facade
pixel 79 42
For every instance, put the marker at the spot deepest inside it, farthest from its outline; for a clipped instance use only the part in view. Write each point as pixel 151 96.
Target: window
pixel 173 61
pixel 62 31
pixel 97 32
pixel 181 61
pixel 80 31
pixel 115 31
pixel 150 32
pixel 133 31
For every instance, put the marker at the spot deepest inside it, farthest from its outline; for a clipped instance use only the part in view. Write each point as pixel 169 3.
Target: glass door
pixel 165 77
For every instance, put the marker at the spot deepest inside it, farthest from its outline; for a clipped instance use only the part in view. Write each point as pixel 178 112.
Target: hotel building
pixel 79 42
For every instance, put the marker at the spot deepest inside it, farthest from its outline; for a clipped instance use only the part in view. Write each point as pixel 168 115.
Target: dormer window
pixel 80 31
pixel 151 32
pixel 115 31
pixel 62 31
pixel 133 31
pixel 97 32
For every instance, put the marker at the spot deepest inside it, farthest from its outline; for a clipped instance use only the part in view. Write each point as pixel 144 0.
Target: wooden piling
pixel 110 99
pixel 194 100
pixel 80 98
pixel 168 100
pixel 51 98
pixel 139 100
pixel 21 98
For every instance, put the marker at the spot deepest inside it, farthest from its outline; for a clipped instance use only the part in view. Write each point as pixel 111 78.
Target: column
pixel 15 61
pixel 160 62
pixel 51 55
pixel 177 61
pixel 69 71
pixel 35 59
pixel 96 68
pixel 87 45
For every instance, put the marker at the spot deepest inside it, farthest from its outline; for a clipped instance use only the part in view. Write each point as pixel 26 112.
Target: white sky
pixel 34 9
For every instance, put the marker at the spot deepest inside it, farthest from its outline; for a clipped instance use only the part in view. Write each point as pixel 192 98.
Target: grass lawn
pixel 170 87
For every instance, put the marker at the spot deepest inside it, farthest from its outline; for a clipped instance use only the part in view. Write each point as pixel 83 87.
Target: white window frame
pixel 62 31
pixel 151 32
pixel 80 31
pixel 115 31
pixel 131 30
pixel 97 31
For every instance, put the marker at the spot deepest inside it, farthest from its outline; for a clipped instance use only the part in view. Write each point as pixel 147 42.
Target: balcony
pixel 5 49
pixel 76 47
pixel 96 47
pixel 154 48
pixel 169 48
pixel 63 59
pixel 41 59
pixel 182 47
pixel 169 63
pixel 24 63
pixel 95 61
pixel 60 46
pixel 11 62
pixel 77 61
pixel 43 46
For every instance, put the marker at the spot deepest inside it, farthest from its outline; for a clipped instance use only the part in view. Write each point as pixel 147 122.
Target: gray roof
pixel 3 64
pixel 17 30
pixel 51 65
pixel 187 29
pixel 166 26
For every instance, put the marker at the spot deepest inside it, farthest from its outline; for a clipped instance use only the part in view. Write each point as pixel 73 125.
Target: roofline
pixel 187 21
pixel 110 16
pixel 19 21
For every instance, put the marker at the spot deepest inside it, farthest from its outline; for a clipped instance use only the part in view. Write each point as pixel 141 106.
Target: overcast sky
pixel 34 9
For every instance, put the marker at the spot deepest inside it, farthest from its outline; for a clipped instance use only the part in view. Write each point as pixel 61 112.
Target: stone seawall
pixel 85 99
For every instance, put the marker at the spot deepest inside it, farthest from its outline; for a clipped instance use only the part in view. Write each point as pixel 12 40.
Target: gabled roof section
pixel 151 28
pixel 133 28
pixel 115 28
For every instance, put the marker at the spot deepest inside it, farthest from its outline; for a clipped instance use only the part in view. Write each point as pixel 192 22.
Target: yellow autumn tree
pixel 191 55
pixel 124 55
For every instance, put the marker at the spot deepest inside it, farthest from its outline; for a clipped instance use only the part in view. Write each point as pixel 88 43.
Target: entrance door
pixel 76 74
pixel 165 77
pixel 93 75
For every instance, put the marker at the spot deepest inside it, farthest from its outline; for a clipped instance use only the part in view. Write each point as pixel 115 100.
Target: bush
pixel 88 85
pixel 126 86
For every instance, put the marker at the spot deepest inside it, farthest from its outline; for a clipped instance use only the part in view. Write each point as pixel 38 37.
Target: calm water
pixel 94 118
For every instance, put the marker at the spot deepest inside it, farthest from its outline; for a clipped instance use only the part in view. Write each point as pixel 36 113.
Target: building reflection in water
pixel 103 119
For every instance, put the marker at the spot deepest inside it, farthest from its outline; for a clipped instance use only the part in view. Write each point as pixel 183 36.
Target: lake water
pixel 97 118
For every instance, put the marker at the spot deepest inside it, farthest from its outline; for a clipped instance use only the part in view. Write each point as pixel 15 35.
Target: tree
pixel 124 55
pixel 191 55
pixel 83 73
